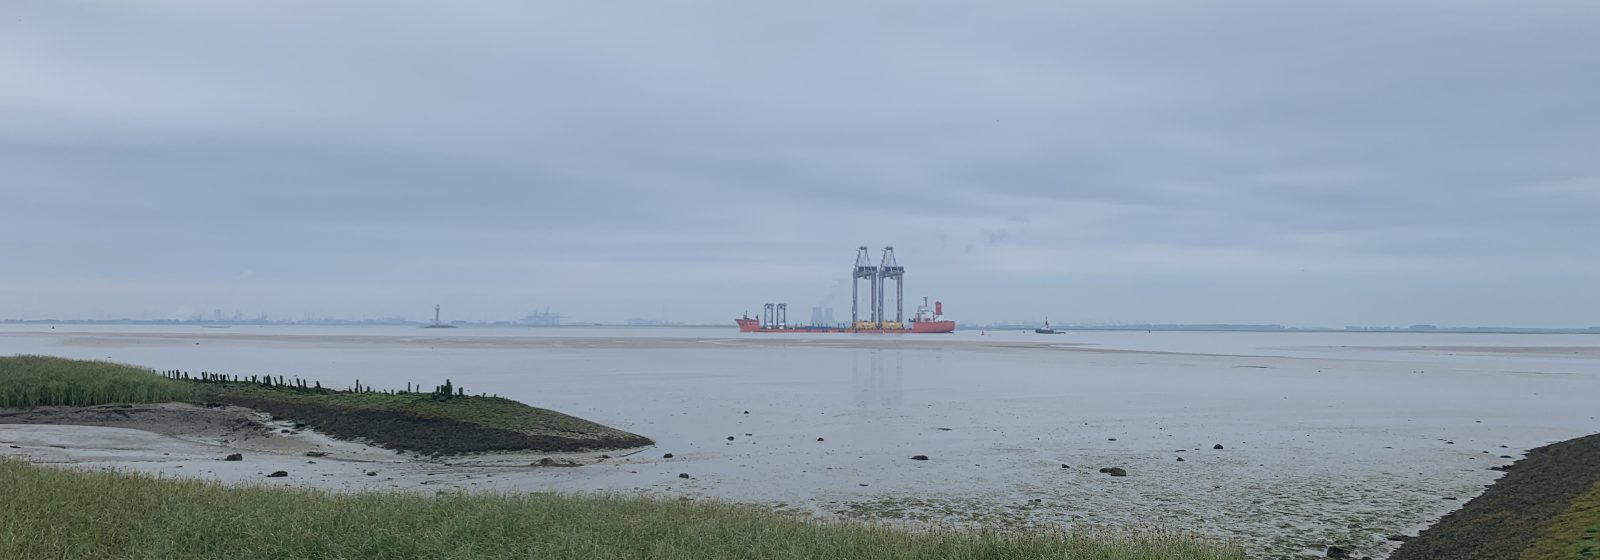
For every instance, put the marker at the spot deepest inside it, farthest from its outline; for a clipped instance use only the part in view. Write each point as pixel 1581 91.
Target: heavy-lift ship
pixel 774 316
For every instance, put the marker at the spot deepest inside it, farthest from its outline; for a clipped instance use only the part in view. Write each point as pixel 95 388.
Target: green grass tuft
pixel 30 381
pixel 53 513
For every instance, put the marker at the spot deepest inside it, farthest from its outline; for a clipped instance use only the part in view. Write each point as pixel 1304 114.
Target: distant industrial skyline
pixel 820 316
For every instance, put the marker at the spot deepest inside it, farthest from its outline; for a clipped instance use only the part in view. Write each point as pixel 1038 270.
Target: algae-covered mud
pixel 1327 439
pixel 1544 508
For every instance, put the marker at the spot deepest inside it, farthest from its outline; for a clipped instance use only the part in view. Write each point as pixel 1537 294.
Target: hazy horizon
pixel 1233 162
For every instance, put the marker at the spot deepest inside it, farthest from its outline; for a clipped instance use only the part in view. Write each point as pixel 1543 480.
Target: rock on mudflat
pixel 278 474
pixel 234 457
pixel 1114 471
pixel 316 453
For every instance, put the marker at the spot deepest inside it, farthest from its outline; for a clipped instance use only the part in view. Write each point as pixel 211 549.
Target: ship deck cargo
pixel 916 327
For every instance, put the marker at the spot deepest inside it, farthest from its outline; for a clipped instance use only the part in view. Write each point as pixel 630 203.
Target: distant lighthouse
pixel 437 324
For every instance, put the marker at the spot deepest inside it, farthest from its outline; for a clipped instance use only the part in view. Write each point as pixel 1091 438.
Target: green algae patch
pixel 1573 535
pixel 1544 503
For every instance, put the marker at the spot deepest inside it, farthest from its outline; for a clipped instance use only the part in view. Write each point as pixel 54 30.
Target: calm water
pixel 1322 431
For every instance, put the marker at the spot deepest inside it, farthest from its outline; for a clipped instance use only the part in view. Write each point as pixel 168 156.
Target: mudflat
pixel 1325 443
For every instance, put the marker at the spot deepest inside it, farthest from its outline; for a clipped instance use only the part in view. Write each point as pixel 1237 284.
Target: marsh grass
pixel 30 381
pixel 444 421
pixel 55 513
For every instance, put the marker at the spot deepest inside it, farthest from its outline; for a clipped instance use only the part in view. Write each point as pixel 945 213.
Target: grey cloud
pixel 697 157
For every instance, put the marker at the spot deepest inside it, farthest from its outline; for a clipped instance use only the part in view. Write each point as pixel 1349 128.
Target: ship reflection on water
pixel 873 385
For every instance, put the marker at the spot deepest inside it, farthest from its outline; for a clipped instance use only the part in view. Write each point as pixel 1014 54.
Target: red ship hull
pixel 917 327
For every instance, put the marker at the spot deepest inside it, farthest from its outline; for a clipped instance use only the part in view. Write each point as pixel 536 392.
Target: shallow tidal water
pixel 1328 438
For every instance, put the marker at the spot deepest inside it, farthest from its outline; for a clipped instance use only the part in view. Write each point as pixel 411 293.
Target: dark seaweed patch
pixel 429 436
pixel 1512 513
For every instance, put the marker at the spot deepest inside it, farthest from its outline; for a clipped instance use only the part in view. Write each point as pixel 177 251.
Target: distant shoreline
pixel 959 326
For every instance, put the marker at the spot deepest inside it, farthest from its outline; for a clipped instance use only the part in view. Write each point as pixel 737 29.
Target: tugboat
pixel 1047 329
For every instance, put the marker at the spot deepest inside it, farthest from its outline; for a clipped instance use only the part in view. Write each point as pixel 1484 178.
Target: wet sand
pixel 1328 440
pixel 185 440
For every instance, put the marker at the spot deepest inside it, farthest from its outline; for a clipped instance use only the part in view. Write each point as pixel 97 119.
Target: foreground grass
pixel 1575 534
pixel 29 381
pixel 52 513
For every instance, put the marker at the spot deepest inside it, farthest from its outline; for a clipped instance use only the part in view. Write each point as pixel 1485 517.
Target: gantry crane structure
pixel 864 271
pixel 876 277
pixel 888 269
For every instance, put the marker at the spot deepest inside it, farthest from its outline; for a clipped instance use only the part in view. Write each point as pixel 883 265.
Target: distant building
pixel 642 322
pixel 822 316
pixel 542 319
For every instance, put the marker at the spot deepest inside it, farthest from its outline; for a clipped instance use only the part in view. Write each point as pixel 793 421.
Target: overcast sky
pixel 1303 163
